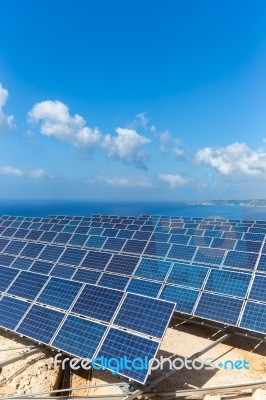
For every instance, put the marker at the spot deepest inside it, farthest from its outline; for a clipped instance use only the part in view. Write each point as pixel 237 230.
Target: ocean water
pixel 43 208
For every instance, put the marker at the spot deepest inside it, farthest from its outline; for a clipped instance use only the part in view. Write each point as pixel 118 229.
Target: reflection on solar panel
pixel 187 275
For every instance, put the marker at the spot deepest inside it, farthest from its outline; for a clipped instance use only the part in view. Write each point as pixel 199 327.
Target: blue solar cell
pixel 59 293
pixel 95 241
pixel 254 317
pixel 96 231
pixel 32 250
pixel 126 234
pixel 41 267
pixel 121 344
pixel 147 315
pixel 34 235
pixel 160 237
pixel 27 285
pixel 98 302
pixel 122 264
pixel 57 228
pixel 248 246
pixel 62 238
pixel 142 235
pixel 233 235
pixel 7 275
pixel 110 232
pixel 179 239
pixel 200 241
pixel 261 264
pixel 134 246
pixel 228 282
pixel 179 231
pixel 11 311
pixel 9 232
pixel 78 239
pixel 209 256
pixel 72 256
pixel 157 249
pixel 113 281
pixel 195 232
pixel 22 263
pixel 51 253
pixel 223 243
pixel 6 260
pixel 240 259
pixel 185 299
pixel 48 236
pixel 69 228
pixel 15 247
pixel 213 233
pixel 258 289
pixel 40 323
pixel 79 337
pixel 114 244
pixel 147 288
pixel 3 244
pixel 62 271
pixel 181 252
pixel 86 276
pixel 187 275
pixel 213 306
pixel 254 236
pixel 96 260
pixel 153 269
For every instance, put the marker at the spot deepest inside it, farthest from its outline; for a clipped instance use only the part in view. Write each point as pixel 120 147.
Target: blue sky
pixel 133 100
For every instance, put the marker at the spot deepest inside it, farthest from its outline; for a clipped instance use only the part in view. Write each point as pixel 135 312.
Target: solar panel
pixel 113 281
pixel 209 256
pixel 86 276
pixel 187 275
pixel 72 256
pixel 184 298
pixel 152 269
pixel 182 252
pixel 79 337
pixel 228 282
pixel 96 260
pixel 98 302
pixel 222 243
pixel 122 264
pixel 147 315
pixel 51 253
pixel 62 271
pixel 59 293
pixel 27 285
pixel 213 306
pixel 7 276
pixel 241 259
pixel 258 289
pixel 32 250
pixel 40 323
pixel 21 263
pixel 248 246
pixel 254 317
pixel 11 311
pixel 40 267
pixel 114 244
pixel 14 247
pixel 121 344
pixel 134 246
pixel 143 287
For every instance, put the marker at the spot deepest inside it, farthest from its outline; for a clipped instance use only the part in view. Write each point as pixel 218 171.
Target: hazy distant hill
pixel 243 203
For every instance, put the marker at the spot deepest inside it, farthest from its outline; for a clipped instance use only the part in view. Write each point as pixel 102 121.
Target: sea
pixel 47 207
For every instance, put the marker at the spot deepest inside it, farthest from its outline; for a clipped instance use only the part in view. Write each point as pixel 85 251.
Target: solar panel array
pixel 211 268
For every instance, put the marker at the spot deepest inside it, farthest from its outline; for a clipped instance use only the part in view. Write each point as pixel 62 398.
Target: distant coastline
pixel 228 203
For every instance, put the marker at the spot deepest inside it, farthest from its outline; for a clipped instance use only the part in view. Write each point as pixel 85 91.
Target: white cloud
pixel 127 147
pixel 122 181
pixel 6 122
pixel 174 181
pixel 35 173
pixel 56 121
pixel 167 144
pixel 234 158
